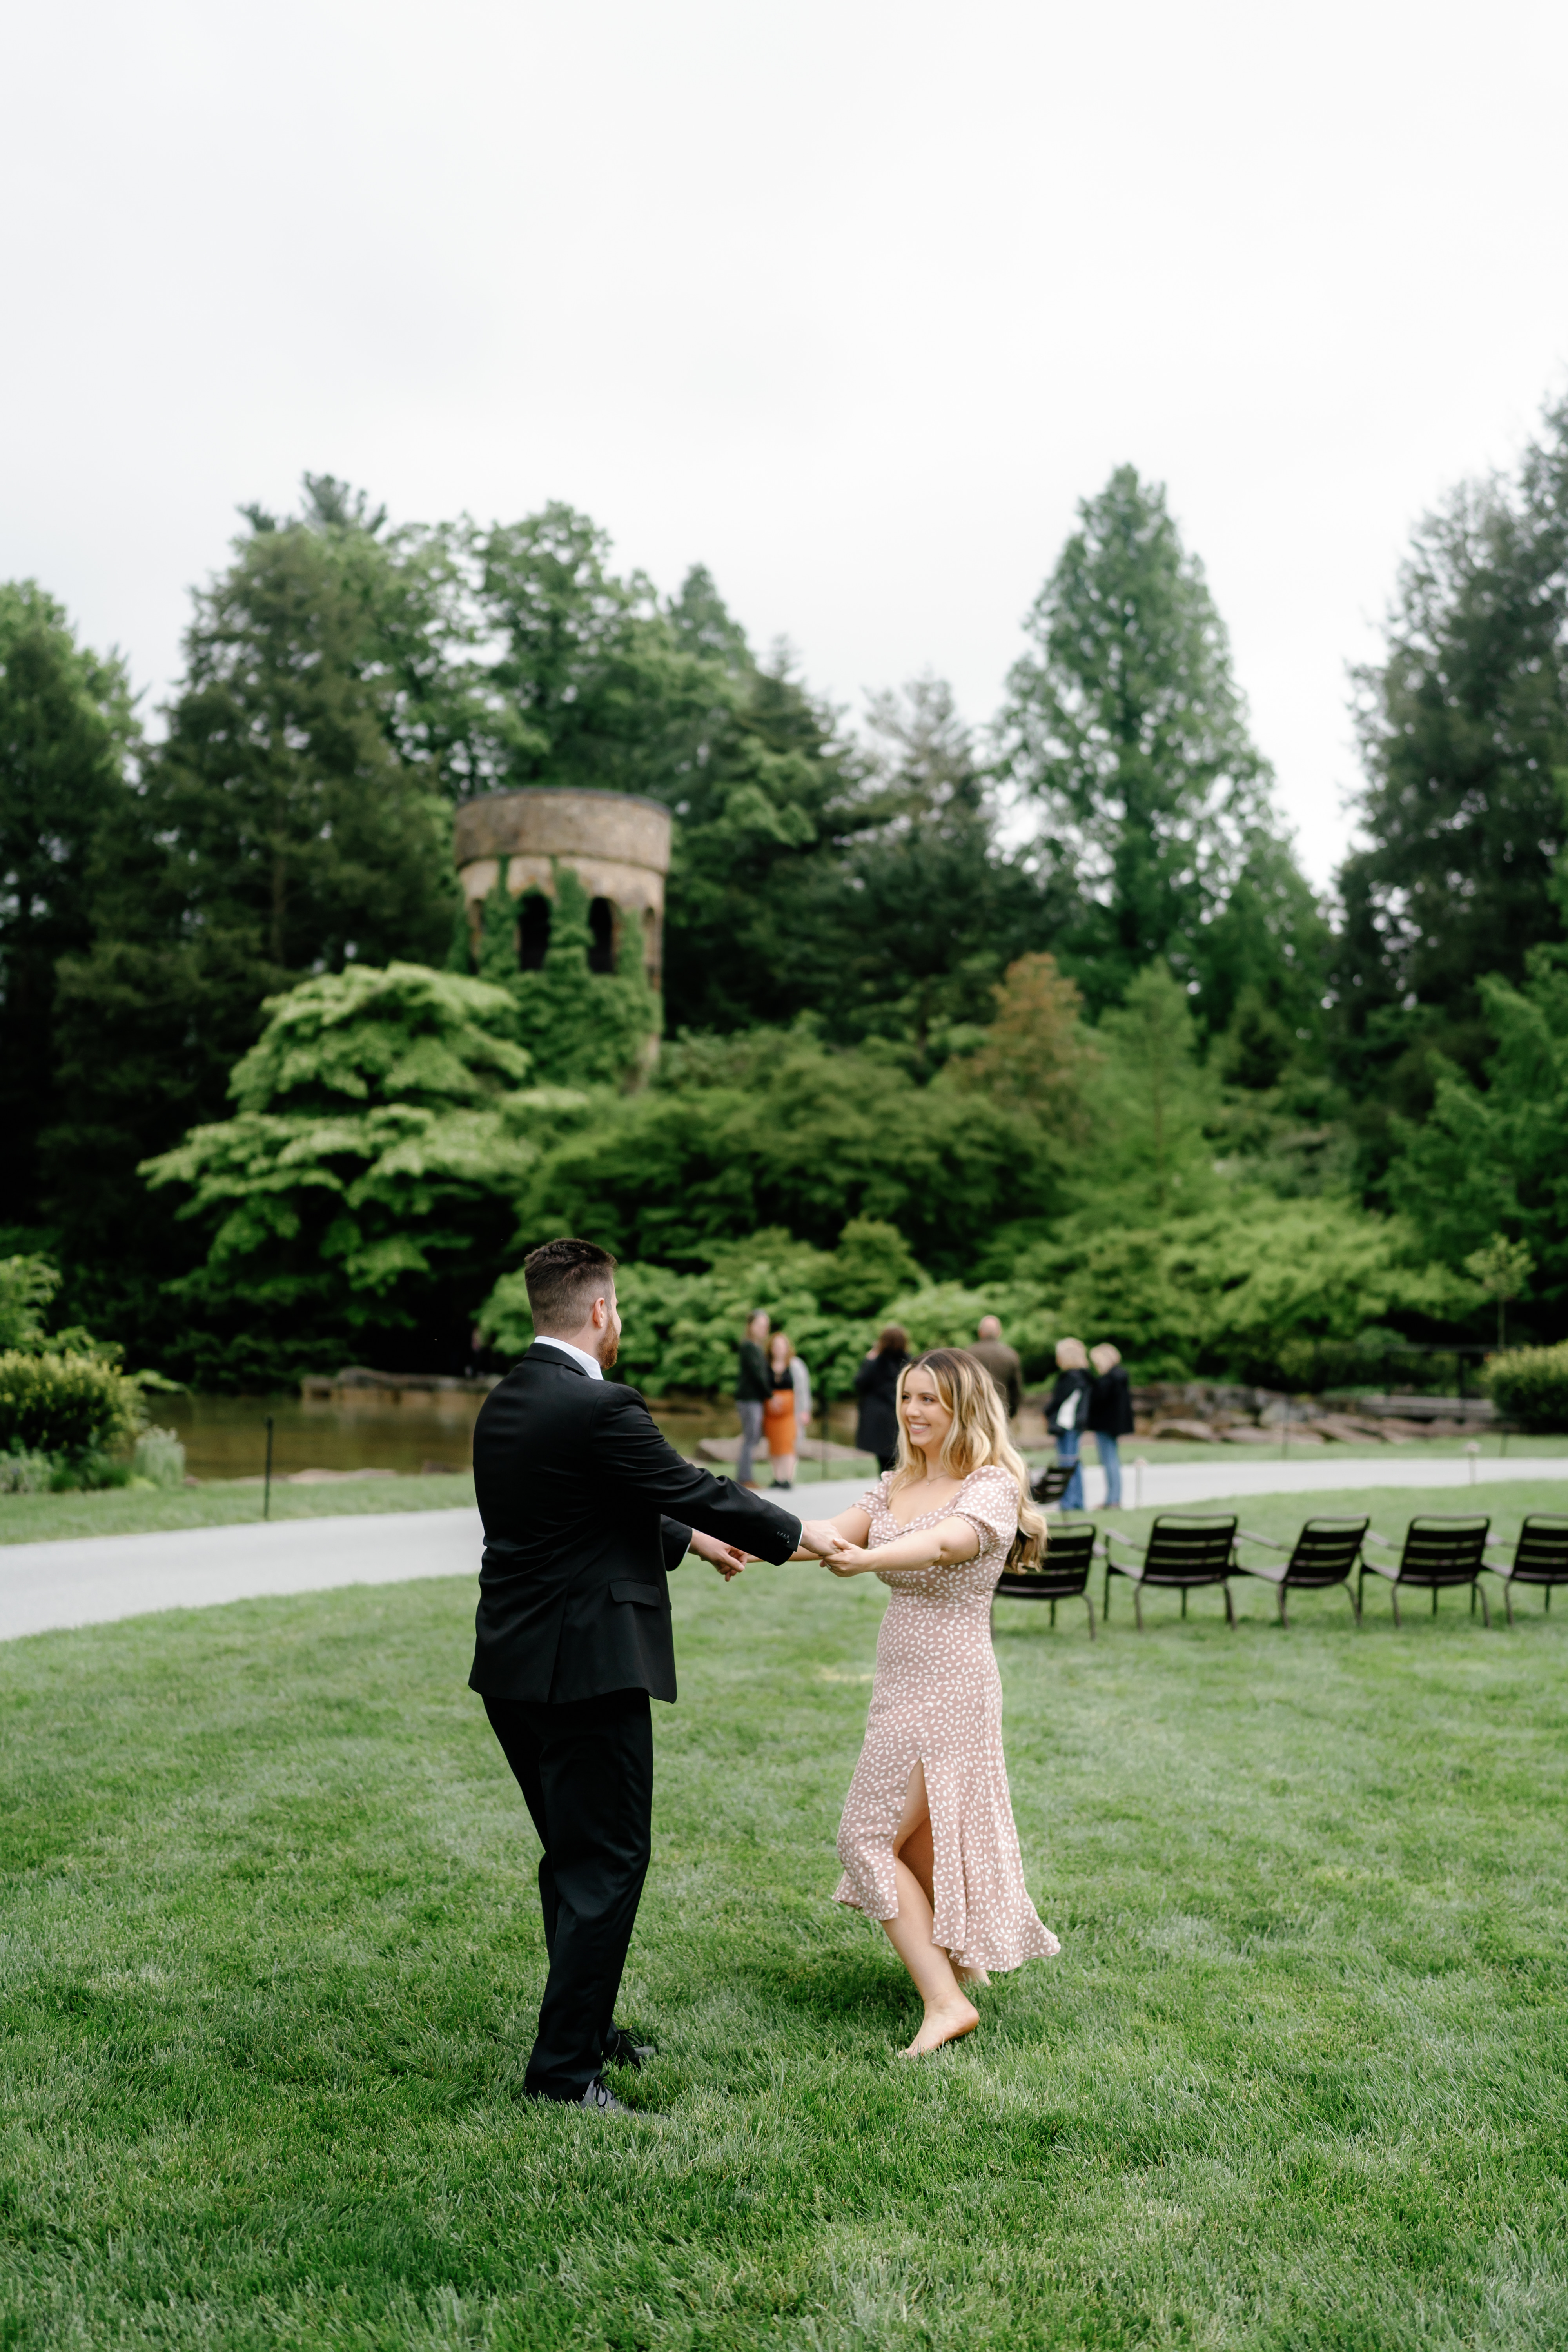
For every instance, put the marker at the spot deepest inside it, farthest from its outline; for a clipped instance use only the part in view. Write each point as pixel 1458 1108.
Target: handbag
pixel 1067 1419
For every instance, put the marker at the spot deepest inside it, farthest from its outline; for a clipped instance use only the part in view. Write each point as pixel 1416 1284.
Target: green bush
pixel 802 1139
pixel 65 1404
pixel 90 1473
pixel 681 1330
pixel 1253 1288
pixel 1530 1385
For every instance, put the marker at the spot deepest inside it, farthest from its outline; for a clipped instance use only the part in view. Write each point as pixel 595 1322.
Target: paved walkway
pixel 94 1580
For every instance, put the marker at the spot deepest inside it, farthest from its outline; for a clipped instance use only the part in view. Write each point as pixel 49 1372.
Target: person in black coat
pixel 1109 1415
pixel 1065 1416
pixel 877 1386
pixel 586 1508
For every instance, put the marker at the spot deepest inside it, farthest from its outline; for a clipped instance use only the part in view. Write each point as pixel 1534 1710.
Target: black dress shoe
pixel 602 2100
pixel 620 2050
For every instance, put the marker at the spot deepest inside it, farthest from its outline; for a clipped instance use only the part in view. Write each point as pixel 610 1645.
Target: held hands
pixel 850 1560
pixel 724 1556
pixel 820 1539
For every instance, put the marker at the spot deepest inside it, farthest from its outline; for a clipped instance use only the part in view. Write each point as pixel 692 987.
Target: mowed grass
pixel 272 1954
pixel 226 1503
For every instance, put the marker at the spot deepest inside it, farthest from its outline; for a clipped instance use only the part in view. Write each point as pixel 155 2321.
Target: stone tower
pixel 617 843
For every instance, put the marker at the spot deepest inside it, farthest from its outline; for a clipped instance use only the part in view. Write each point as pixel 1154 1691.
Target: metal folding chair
pixel 1441 1550
pixel 1323 1556
pixel 1539 1557
pixel 1185 1549
pixel 1062 1575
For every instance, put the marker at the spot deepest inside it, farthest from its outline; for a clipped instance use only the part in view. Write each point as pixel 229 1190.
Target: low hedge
pixel 65 1403
pixel 1530 1385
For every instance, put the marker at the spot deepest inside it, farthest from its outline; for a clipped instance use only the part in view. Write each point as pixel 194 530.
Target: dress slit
pixel 936 1701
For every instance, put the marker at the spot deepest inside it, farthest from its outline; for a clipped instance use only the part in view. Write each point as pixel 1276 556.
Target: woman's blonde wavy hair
pixel 976 1438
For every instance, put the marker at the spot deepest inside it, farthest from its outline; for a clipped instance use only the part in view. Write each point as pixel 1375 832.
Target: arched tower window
pixel 602 935
pixel 533 930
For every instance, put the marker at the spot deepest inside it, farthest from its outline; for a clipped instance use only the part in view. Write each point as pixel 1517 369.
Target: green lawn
pixel 124 1511
pixel 1297 2081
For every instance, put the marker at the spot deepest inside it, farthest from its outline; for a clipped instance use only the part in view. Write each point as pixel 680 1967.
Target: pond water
pixel 226 1437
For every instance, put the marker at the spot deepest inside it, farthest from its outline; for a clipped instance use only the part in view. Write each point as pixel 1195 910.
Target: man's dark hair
pixel 563 1279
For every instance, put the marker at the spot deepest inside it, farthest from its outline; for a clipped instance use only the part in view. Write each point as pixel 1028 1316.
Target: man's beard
pixel 609 1348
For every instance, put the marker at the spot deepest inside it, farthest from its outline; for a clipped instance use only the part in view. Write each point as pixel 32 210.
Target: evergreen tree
pixel 65 726
pixel 275 832
pixel 902 932
pixel 768 798
pixel 1151 1102
pixel 1464 731
pixel 421 628
pixel 1486 1166
pixel 1125 721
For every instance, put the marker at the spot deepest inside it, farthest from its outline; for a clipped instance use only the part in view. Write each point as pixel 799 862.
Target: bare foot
pixel 968 1975
pixel 941 2025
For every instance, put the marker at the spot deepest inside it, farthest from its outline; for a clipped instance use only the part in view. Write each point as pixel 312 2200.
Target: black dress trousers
pixel 585 1770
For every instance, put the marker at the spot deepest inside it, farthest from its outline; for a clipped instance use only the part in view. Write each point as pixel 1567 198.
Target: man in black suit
pixel 586 1508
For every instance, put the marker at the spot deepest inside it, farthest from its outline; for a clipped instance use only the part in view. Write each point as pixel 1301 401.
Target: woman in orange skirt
pixel 779 1415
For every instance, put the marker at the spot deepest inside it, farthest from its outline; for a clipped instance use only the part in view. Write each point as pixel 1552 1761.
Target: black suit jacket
pixel 586 1508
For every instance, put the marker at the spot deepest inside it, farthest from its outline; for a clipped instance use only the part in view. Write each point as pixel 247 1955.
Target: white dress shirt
pixel 590 1364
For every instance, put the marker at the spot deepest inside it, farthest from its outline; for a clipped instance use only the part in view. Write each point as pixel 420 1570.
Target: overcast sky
pixel 851 302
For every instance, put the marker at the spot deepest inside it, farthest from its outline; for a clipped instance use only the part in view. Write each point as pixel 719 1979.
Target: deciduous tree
pixel 363 1189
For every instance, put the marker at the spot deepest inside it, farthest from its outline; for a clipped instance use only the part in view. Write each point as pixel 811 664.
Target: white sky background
pixel 851 302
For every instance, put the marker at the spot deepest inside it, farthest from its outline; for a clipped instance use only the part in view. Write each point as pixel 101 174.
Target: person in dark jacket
pixel 877 1386
pixel 1109 1416
pixel 754 1387
pixel 586 1508
pixel 1065 1416
pixel 1002 1363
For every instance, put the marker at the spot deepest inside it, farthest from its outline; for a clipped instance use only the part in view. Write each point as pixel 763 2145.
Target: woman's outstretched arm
pixel 939 1546
pixel 853 1525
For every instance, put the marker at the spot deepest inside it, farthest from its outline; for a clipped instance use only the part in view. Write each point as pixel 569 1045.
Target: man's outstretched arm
pixel 636 1456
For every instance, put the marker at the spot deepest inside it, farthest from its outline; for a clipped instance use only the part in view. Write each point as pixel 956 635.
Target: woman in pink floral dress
pixel 927 1841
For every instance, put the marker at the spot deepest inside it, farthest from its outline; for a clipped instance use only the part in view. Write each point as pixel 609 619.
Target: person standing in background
pixel 877 1387
pixel 1070 1401
pixel 754 1387
pixel 1109 1416
pixel 1002 1363
pixel 788 1408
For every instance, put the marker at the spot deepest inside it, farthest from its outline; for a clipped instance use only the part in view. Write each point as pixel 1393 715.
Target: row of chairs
pixel 1187 1549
